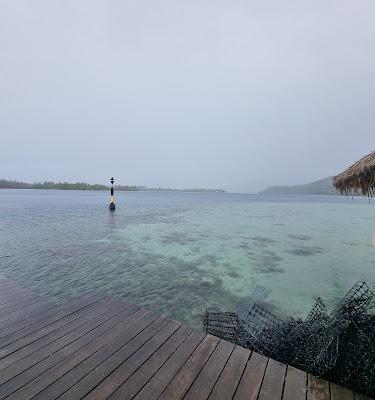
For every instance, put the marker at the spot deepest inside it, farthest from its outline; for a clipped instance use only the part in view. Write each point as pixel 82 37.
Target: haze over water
pixel 178 253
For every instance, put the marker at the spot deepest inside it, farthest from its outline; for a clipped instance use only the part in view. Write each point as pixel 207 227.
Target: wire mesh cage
pixel 221 324
pixel 339 346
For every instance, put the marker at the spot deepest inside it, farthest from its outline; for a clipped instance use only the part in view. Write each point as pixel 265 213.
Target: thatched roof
pixel 360 176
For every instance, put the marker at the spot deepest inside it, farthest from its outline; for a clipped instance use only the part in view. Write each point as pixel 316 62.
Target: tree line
pixel 12 184
pixel 5 184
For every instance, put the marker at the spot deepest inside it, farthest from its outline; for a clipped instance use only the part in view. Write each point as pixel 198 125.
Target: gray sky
pixel 199 93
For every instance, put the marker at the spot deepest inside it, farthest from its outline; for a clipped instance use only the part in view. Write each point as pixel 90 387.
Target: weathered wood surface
pixel 98 347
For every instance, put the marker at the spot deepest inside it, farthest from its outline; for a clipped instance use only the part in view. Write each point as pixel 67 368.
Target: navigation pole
pixel 112 206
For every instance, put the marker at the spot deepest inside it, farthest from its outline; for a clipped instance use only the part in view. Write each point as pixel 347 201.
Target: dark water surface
pixel 178 253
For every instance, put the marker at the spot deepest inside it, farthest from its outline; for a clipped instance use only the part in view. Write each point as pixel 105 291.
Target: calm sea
pixel 178 253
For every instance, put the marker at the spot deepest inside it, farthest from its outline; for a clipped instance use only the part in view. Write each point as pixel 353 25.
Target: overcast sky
pixel 199 93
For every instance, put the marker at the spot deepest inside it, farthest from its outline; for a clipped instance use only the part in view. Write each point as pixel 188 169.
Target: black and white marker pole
pixel 112 206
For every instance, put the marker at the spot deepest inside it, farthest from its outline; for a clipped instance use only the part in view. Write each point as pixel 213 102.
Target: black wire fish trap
pixel 221 324
pixel 338 346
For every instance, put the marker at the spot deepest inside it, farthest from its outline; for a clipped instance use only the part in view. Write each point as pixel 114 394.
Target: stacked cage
pixel 338 346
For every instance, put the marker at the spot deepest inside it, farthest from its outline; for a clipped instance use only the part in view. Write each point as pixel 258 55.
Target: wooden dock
pixel 98 347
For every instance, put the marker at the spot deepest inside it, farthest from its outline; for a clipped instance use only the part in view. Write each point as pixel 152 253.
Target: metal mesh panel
pixel 221 324
pixel 339 346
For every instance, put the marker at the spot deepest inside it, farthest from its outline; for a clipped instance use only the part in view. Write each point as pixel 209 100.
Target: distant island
pixel 320 187
pixel 8 184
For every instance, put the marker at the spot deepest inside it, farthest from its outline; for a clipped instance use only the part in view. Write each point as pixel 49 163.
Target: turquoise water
pixel 178 253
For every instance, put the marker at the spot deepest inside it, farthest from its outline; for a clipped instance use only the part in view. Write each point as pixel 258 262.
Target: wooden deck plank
pixel 10 295
pixel 16 299
pixel 5 288
pixel 18 350
pixel 135 383
pixel 12 288
pixel 156 385
pixel 6 291
pixel 46 315
pixel 340 393
pixel 20 306
pixel 186 376
pixel 9 287
pixel 49 377
pixel 41 316
pixel 251 380
pixel 273 382
pixel 206 380
pixel 16 302
pixel 116 378
pixel 103 326
pixel 104 362
pixel 24 334
pixel 295 384
pixel 227 383
pixel 4 285
pixel 96 347
pixel 4 281
pixel 62 330
pixel 34 315
pixel 16 317
pixel 7 281
pixel 83 326
pixel 35 340
pixel 317 389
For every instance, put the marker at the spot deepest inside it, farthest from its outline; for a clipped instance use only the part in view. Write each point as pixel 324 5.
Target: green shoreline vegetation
pixel 8 184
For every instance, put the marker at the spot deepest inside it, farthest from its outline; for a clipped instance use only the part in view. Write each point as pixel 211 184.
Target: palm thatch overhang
pixel 360 177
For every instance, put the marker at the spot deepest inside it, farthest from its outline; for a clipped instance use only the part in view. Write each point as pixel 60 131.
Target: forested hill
pixel 322 186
